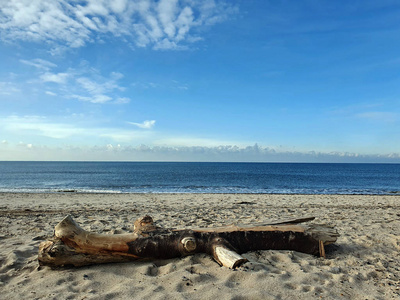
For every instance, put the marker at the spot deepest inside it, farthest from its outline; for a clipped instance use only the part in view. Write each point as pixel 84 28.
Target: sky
pixel 212 80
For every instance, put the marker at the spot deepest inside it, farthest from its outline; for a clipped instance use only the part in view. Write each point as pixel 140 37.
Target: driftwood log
pixel 73 246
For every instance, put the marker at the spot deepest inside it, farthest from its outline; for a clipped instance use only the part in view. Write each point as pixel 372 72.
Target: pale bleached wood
pixel 228 258
pixel 73 235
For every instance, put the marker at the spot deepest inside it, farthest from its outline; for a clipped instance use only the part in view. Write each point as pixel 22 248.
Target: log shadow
pixel 335 250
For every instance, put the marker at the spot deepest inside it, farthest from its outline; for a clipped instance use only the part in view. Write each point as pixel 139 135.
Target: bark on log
pixel 72 245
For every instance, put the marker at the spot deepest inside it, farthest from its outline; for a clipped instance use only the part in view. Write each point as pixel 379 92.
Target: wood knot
pixel 189 244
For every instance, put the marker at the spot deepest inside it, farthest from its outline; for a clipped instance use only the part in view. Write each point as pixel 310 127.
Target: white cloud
pixel 98 90
pixel 39 63
pixel 97 98
pixel 166 13
pixel 148 124
pixel 91 86
pixel 33 127
pixel 39 126
pixel 22 145
pixel 53 77
pixel 84 83
pixel 165 24
pixel 100 98
pixel 118 6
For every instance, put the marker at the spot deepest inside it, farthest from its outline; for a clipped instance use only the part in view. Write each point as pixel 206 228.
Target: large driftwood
pixel 72 245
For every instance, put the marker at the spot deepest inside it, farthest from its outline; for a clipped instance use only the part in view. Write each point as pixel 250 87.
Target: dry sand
pixel 364 264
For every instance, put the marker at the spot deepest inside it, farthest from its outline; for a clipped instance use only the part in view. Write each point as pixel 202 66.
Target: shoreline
pixel 362 264
pixel 71 192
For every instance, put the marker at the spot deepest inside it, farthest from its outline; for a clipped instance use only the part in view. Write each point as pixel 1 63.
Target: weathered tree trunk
pixel 72 245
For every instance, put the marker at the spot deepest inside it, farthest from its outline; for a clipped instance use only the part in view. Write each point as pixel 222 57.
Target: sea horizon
pixel 199 177
pixel 200 161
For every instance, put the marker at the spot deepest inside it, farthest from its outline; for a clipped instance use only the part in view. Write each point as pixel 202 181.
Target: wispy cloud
pixel 99 90
pixel 148 124
pixel 37 125
pixel 382 111
pixel 179 85
pixel 164 24
pixel 83 84
pixel 122 100
pixel 8 88
pixel 145 85
pixel 381 116
pixel 33 126
pixel 50 93
pixel 39 63
pixel 170 84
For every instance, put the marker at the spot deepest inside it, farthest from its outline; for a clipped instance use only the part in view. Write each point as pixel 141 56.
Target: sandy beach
pixel 363 264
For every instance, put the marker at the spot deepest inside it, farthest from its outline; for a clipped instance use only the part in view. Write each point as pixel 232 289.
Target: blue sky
pixel 314 81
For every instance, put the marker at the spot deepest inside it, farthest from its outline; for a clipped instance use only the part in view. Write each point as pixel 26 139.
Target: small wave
pixel 51 191
pixel 393 192
pixel 200 190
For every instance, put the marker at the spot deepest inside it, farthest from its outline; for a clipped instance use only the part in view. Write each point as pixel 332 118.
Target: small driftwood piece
pixel 73 246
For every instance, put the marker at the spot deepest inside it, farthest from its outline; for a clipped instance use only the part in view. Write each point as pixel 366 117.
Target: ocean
pixel 193 177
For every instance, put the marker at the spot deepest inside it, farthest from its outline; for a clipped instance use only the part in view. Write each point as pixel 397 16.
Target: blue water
pixel 180 177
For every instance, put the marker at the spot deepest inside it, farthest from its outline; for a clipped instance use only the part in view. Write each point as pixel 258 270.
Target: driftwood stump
pixel 73 246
